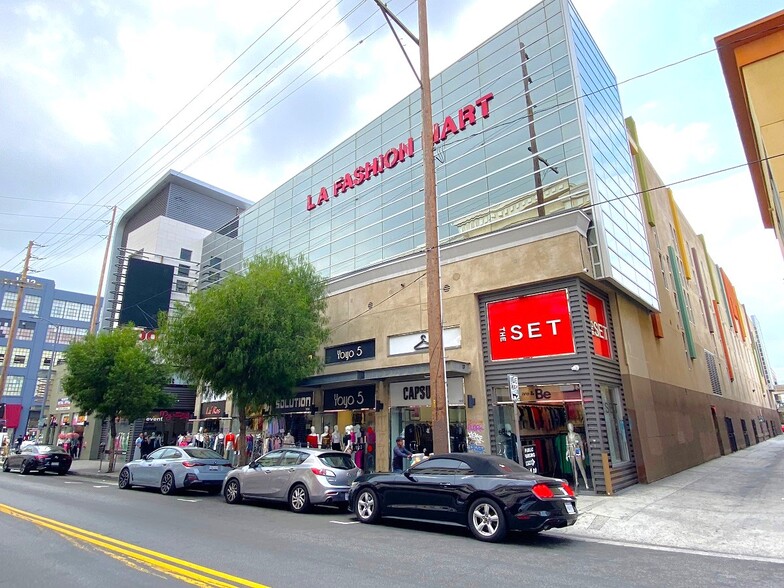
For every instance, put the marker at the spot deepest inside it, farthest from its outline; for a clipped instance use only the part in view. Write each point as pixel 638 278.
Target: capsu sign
pixel 466 116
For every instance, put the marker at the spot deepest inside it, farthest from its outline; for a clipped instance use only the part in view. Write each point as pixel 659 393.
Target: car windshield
pixel 339 461
pixel 49 449
pixel 201 453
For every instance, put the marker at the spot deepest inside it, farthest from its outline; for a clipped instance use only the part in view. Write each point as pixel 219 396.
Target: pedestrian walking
pixel 137 450
pixel 400 452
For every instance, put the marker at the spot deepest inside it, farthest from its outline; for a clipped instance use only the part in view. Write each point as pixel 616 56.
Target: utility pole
pixel 21 283
pixel 434 316
pixel 433 261
pixel 97 305
pixel 532 132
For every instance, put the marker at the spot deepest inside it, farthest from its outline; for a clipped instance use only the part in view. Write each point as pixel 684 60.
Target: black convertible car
pixel 489 494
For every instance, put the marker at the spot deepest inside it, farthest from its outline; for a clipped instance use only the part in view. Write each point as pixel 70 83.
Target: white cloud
pixel 675 150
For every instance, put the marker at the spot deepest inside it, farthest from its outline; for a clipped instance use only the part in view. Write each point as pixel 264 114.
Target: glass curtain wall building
pixel 528 124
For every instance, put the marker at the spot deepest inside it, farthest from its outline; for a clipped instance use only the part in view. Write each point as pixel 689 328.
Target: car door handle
pixel 267 471
pixel 291 469
pixel 444 484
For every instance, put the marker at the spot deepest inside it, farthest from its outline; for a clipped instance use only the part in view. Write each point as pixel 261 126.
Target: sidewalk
pixel 90 468
pixel 730 505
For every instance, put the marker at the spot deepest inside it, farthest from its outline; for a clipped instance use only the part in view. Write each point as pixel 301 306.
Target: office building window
pixel 46 359
pixel 181 287
pixel 9 301
pixel 13 386
pixel 183 270
pixel 31 304
pixel 25 331
pixel 185 254
pixel 21 356
pixel 72 310
pixel 5 327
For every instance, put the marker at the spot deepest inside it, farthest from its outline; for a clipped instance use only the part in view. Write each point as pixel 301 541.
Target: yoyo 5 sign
pixel 536 325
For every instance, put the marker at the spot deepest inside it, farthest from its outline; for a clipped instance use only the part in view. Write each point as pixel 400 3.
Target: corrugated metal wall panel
pixel 198 209
pixel 593 371
pixel 152 210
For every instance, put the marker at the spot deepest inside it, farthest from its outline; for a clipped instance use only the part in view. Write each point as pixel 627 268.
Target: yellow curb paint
pixel 153 558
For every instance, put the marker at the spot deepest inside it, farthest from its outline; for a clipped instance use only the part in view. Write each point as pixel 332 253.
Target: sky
pixel 100 98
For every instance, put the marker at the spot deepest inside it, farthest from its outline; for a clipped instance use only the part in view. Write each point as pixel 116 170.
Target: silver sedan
pixel 302 477
pixel 177 468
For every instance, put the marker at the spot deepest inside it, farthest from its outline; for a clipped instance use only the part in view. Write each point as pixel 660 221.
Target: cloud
pixel 676 150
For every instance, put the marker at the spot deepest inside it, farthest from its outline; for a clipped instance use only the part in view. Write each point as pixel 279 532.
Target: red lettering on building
pixel 465 116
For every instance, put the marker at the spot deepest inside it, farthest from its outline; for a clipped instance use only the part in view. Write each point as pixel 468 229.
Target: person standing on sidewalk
pixel 137 450
pixel 399 453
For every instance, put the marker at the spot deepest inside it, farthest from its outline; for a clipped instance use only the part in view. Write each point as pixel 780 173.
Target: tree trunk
pixel 112 436
pixel 241 443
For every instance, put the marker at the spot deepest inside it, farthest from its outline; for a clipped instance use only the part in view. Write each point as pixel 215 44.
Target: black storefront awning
pixel 417 370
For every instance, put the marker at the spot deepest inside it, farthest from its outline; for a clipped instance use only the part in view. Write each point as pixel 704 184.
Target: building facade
pixel 155 263
pixel 50 320
pixel 554 269
pixel 752 59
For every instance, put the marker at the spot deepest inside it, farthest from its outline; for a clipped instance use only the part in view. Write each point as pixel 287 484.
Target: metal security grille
pixel 710 359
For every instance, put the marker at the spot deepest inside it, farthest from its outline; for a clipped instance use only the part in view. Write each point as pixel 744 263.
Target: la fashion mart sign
pixel 536 325
pixel 465 117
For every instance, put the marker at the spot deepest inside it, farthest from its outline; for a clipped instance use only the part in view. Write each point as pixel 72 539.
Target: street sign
pixel 514 387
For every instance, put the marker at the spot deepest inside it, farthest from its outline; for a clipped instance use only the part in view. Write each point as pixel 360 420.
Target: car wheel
pixel 486 520
pixel 299 501
pixel 124 481
pixel 6 466
pixel 366 506
pixel 23 469
pixel 231 492
pixel 168 486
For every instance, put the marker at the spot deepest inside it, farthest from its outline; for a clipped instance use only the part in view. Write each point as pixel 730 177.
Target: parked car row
pixel 490 495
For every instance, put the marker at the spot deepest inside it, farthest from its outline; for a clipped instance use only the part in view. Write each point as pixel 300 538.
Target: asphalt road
pixel 273 547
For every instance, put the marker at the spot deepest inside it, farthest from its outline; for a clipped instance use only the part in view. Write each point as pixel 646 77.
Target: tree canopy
pixel 254 335
pixel 113 374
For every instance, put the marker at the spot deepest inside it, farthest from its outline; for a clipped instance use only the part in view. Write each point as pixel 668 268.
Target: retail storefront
pixel 558 340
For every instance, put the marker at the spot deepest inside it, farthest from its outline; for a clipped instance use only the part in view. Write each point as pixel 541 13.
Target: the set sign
pixel 350 352
pixel 350 398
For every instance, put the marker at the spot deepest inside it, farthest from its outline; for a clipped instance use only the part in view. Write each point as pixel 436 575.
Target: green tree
pixel 114 375
pixel 254 335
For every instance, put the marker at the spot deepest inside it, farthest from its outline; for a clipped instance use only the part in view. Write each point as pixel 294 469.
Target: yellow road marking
pixel 185 569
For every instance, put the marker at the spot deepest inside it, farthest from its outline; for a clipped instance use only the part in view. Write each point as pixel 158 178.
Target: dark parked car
pixel 489 494
pixel 38 458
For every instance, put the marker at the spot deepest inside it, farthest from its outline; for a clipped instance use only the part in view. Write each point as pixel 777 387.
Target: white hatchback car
pixel 177 468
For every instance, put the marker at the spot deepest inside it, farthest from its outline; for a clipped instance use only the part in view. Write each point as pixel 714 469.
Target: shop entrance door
pixel 731 433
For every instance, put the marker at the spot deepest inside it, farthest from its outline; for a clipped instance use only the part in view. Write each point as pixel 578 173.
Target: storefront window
pixel 616 426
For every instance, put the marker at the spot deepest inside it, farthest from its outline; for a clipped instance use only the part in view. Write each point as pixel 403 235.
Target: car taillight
pixel 568 489
pixel 323 472
pixel 542 491
pixel 40 457
pixel 192 464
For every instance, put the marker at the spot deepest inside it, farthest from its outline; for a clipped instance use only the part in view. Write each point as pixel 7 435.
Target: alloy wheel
pixel 299 499
pixel 125 479
pixel 232 492
pixel 167 483
pixel 485 520
pixel 366 505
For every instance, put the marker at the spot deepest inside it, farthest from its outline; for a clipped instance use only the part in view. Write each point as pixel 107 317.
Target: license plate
pixel 569 507
pixel 213 468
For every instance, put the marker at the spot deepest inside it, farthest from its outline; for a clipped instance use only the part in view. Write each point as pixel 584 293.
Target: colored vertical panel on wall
pixel 658 330
pixel 703 293
pixel 676 221
pixel 724 297
pixel 716 314
pixel 681 296
pixel 639 165
pixel 732 304
pixel 711 265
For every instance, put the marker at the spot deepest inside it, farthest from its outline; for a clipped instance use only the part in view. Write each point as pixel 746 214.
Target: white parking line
pixel 72 482
pixel 189 499
pixel 345 522
pixel 100 486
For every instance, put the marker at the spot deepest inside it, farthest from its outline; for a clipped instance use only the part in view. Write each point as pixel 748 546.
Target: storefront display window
pixel 616 426
pixel 544 414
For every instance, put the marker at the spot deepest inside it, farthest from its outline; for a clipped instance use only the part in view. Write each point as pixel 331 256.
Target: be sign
pixel 530 326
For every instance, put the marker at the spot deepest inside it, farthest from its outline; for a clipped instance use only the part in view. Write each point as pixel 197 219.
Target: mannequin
pixel 575 453
pixel 508 443
pixel 313 438
pixel 347 445
pixel 325 438
pixel 288 439
pixel 336 445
